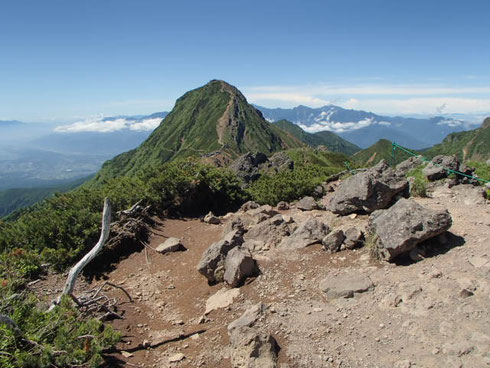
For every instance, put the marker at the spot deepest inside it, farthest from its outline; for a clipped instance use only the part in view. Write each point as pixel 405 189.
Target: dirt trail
pixel 434 313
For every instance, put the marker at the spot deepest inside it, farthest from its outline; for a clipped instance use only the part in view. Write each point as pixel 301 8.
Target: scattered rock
pixel 465 293
pixel 368 191
pixel 282 206
pixel 333 241
pixel 210 218
pixel 239 265
pixel 222 299
pixel 309 232
pixel 353 238
pixel 406 224
pixel 307 204
pixel 170 245
pixel 345 285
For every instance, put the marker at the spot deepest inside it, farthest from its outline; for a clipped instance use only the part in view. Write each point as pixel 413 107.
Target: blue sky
pixel 68 60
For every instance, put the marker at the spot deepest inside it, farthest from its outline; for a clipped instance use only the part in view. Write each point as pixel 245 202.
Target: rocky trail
pixel 308 307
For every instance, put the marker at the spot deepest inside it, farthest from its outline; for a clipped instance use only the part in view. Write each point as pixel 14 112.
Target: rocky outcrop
pixel 437 168
pixel 309 232
pixel 368 191
pixel 246 167
pixel 400 228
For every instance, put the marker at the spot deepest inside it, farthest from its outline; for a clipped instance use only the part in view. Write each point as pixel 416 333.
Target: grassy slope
pixel 473 145
pixel 331 140
pixel 191 129
pixel 383 149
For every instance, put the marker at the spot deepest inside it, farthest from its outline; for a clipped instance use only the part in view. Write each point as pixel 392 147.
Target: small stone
pixel 465 293
pixel 176 358
pixel 171 245
pixel 126 354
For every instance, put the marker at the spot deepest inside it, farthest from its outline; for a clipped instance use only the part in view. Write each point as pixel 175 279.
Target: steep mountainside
pixel 331 140
pixel 366 128
pixel 381 150
pixel 210 118
pixel 469 145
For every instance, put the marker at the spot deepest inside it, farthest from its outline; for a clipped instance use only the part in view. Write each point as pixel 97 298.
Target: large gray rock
pixel 212 261
pixel 270 231
pixel 437 168
pixel 252 349
pixel 400 228
pixel 239 265
pixel 309 232
pixel 333 241
pixel 210 218
pixel 307 204
pixel 250 205
pixel 170 245
pixel 368 191
pixel 345 285
pixel 262 213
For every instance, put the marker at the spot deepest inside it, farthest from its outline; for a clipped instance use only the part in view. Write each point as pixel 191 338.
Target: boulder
pixel 212 261
pixel 170 245
pixel 252 349
pixel 239 265
pixel 400 228
pixel 210 218
pixel 353 238
pixel 333 241
pixel 437 168
pixel 307 204
pixel 345 285
pixel 281 206
pixel 235 223
pixel 270 231
pixel 279 161
pixel 309 232
pixel 409 164
pixel 368 191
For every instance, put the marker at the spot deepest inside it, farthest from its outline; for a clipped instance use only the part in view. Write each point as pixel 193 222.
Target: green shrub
pixel 418 187
pixel 289 185
pixel 50 339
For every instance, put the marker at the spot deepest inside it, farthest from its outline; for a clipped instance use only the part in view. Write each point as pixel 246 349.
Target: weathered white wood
pixel 75 270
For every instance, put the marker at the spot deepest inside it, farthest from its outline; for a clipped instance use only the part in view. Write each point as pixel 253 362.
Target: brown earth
pixel 433 313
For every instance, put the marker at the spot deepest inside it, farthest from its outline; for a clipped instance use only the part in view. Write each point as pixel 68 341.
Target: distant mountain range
pixel 366 128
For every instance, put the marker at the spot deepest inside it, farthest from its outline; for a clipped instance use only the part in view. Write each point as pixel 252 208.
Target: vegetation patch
pixel 418 185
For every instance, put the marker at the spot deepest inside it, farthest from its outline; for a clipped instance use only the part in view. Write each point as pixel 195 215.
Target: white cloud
pixel 101 126
pixel 378 98
pixel 337 127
